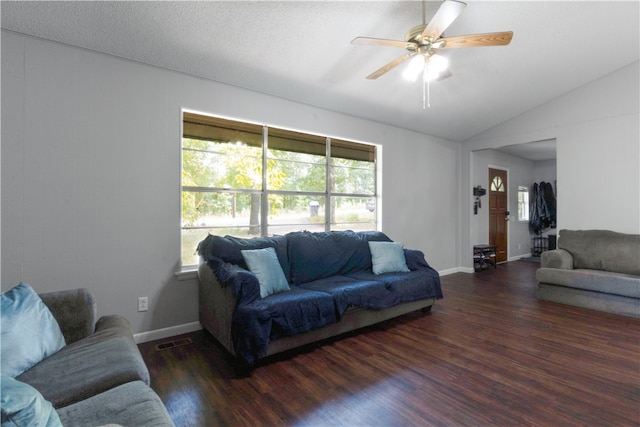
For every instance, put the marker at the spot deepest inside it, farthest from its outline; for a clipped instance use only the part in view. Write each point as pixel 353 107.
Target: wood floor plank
pixel 488 354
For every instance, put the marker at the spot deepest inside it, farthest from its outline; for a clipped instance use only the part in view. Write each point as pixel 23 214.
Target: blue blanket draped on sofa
pixel 328 273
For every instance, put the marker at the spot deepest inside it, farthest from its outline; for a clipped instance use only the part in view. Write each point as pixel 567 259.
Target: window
pixel 523 203
pixel 497 184
pixel 247 180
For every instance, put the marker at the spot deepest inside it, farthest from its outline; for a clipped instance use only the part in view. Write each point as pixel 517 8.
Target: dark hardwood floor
pixel 488 354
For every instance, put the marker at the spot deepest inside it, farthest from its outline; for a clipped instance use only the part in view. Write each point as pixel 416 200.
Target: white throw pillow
pixel 265 265
pixel 388 257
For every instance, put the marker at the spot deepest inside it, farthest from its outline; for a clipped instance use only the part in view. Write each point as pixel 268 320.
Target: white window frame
pixel 523 205
pixel 327 194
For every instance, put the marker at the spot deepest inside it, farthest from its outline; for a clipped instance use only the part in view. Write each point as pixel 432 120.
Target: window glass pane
pixel 221 153
pixel 353 213
pixel 192 236
pixel 207 209
pixel 221 164
pixel 352 176
pixel 523 203
pixel 190 240
pixel 353 168
pixel 292 212
pixel 236 214
pixel 497 184
pixel 296 161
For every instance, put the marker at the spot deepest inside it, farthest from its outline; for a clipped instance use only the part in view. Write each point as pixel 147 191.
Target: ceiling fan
pixel 422 42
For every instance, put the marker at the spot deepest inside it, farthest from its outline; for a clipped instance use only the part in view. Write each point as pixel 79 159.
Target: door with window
pixel 498 212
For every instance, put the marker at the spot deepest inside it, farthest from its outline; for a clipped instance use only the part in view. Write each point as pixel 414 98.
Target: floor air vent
pixel 171 344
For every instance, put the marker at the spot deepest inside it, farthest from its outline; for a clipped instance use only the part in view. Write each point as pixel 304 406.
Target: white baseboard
pixel 171 331
pixel 472 270
pixel 451 271
pixel 518 257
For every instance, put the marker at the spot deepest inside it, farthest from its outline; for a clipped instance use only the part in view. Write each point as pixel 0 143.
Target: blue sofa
pixel 329 284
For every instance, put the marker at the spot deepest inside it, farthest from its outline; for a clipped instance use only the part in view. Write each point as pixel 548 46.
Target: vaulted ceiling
pixel 302 51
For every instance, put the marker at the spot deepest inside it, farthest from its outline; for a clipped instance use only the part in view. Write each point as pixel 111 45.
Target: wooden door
pixel 498 213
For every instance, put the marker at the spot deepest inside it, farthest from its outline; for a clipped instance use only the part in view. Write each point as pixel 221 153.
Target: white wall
pixel 91 175
pixel 545 170
pixel 597 130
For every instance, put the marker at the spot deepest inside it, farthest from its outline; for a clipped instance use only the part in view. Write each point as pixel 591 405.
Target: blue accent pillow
pixel 23 405
pixel 264 264
pixel 387 257
pixel 30 333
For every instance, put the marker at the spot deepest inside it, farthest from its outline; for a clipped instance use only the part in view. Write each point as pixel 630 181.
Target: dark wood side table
pixel 483 256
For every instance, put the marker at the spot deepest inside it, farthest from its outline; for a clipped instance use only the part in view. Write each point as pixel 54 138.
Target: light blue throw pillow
pixel 29 332
pixel 265 265
pixel 24 406
pixel 388 257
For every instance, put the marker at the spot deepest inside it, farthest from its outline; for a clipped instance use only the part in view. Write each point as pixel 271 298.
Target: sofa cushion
pixel 30 333
pixel 229 249
pixel 405 286
pixel 314 256
pixel 387 257
pixel 103 360
pixel 350 292
pixel 264 264
pixel 130 404
pixel 22 405
pixel 602 250
pixel 625 285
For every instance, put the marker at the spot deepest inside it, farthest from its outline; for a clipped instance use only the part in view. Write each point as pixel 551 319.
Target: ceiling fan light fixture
pixel 415 68
pixel 438 62
pixel 429 66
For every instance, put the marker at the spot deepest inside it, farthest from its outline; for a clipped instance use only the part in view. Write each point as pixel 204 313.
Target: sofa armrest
pixel 557 258
pixel 74 310
pixel 114 323
pixel 243 283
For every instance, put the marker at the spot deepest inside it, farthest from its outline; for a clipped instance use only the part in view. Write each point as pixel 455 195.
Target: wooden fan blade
pixel 371 41
pixel 447 13
pixel 388 67
pixel 476 40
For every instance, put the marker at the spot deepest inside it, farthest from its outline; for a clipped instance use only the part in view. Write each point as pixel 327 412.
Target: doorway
pixel 498 213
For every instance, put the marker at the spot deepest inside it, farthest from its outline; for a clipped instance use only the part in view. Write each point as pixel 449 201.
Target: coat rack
pixel 478 192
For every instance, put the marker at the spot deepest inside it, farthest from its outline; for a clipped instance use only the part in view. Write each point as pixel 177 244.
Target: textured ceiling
pixel 300 50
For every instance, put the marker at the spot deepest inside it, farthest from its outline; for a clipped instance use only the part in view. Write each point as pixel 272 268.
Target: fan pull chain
pixel 426 93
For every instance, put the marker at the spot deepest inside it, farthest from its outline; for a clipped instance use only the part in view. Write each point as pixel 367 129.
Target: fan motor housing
pixel 415 42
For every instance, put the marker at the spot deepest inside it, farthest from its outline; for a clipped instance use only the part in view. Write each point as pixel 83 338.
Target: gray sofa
pixel 99 377
pixel 595 269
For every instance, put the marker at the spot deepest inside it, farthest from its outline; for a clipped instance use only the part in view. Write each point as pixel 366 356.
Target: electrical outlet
pixel 143 304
